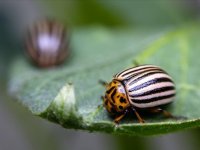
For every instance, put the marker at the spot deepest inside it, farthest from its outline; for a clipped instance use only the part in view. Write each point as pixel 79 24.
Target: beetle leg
pixel 104 83
pixel 119 118
pixel 138 116
pixel 164 112
pixel 102 97
pixel 100 105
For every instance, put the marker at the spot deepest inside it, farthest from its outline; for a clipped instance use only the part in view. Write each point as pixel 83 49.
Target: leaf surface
pixel 70 94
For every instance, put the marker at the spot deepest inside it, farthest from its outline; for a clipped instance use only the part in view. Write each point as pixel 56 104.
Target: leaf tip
pixel 63 108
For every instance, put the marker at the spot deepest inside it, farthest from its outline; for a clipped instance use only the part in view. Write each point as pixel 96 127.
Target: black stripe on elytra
pixel 108 92
pixel 154 91
pixel 113 94
pixel 145 101
pixel 142 72
pixel 141 69
pixel 150 82
pixel 150 72
pixel 126 70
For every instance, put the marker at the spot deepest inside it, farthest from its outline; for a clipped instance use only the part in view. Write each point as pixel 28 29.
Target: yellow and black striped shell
pixel 47 43
pixel 141 87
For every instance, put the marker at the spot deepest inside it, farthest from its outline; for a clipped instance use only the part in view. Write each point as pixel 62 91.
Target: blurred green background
pixel 19 129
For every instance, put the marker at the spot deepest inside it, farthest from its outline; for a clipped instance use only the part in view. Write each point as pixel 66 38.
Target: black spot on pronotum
pixel 110 90
pixel 122 100
pixel 113 94
pixel 120 107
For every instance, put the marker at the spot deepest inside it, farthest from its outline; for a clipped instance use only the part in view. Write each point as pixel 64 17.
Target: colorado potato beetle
pixel 145 87
pixel 47 43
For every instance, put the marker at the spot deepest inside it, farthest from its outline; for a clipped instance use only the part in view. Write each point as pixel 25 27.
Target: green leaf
pixel 70 94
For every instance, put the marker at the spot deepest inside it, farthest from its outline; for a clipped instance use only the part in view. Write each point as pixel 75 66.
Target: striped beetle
pixel 47 43
pixel 144 87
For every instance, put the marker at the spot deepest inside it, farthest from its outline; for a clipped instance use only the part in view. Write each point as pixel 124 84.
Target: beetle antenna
pixel 104 83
